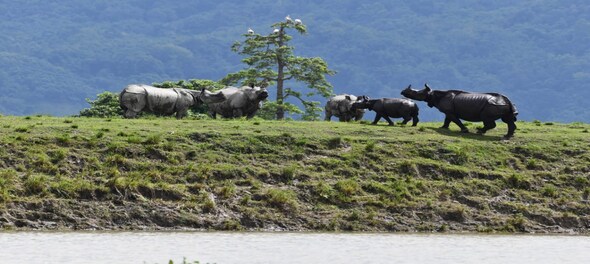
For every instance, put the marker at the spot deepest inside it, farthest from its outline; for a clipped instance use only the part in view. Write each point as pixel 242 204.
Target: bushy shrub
pixel 105 105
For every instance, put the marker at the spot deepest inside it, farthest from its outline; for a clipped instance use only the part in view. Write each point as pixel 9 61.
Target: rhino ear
pixel 347 98
pixel 409 86
pixel 427 87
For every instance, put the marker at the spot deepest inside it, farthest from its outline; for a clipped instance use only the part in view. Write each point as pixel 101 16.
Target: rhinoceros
pixel 136 98
pixel 340 106
pixel 475 107
pixel 389 107
pixel 244 101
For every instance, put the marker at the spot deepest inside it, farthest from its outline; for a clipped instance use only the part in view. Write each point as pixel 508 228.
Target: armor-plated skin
pixel 390 107
pixel 244 101
pixel 475 107
pixel 136 98
pixel 340 106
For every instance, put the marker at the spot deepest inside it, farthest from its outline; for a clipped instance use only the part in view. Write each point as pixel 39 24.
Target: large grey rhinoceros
pixel 244 101
pixel 136 98
pixel 457 105
pixel 341 106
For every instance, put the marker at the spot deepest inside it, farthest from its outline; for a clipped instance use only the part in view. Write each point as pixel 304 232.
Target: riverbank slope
pixel 151 174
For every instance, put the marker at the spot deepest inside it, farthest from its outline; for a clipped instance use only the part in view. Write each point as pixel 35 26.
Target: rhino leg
pixel 130 114
pixel 237 113
pixel 212 114
pixel 406 119
pixel 328 116
pixel 415 120
pixel 487 125
pixel 509 120
pixel 251 115
pixel 358 116
pixel 388 120
pixel 458 122
pixel 347 117
pixel 181 113
pixel 377 117
pixel 447 123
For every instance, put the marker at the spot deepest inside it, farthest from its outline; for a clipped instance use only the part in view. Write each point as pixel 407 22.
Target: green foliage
pixel 269 110
pixel 105 105
pixel 284 199
pixel 270 59
pixel 192 84
pixel 549 190
pixel 36 185
pixel 312 110
pixel 8 180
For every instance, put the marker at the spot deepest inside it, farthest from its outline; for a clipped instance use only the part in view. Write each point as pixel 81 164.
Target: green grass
pixel 304 175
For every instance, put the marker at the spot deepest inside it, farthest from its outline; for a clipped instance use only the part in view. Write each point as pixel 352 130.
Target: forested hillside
pixel 54 54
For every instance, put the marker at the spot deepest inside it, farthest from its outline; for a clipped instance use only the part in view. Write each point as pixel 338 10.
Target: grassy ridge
pixel 79 173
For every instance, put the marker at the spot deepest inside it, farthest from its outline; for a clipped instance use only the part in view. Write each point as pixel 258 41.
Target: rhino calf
pixel 244 101
pixel 136 98
pixel 390 107
pixel 340 106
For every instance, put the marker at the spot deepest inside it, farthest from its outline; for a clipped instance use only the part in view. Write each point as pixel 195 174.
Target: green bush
pixel 549 190
pixel 105 105
pixel 36 184
pixel 8 179
pixel 284 199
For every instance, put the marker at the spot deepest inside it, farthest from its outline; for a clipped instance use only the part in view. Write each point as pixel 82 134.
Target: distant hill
pixel 54 55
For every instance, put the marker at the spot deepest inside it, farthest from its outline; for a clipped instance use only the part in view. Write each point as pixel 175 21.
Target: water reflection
pixel 215 247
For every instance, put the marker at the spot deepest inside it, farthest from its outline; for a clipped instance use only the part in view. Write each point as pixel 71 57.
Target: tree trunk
pixel 280 96
pixel 280 79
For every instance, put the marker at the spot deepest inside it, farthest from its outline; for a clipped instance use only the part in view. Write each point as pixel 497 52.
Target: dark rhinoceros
pixel 475 107
pixel 244 101
pixel 340 106
pixel 389 107
pixel 136 98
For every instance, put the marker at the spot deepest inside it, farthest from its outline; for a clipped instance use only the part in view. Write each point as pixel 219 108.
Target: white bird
pixel 288 18
pixel 298 21
pixel 275 31
pixel 250 31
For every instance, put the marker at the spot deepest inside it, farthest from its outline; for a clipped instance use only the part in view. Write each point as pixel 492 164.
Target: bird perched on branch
pixel 288 18
pixel 298 21
pixel 276 31
pixel 250 31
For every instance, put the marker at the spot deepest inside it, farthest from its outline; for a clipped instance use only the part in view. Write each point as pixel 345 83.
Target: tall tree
pixel 270 59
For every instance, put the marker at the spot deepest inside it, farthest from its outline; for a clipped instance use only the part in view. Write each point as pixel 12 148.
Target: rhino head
pixel 257 94
pixel 362 102
pixel 207 97
pixel 420 95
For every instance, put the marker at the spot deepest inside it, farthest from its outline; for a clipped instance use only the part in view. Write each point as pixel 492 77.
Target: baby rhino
pixel 390 107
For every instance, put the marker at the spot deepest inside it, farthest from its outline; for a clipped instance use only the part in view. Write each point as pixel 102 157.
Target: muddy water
pixel 160 247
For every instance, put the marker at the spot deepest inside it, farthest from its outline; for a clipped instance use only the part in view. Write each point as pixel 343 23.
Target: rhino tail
pixel 121 101
pixel 513 109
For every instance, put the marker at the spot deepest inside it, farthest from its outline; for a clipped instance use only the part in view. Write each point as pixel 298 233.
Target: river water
pixel 219 247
